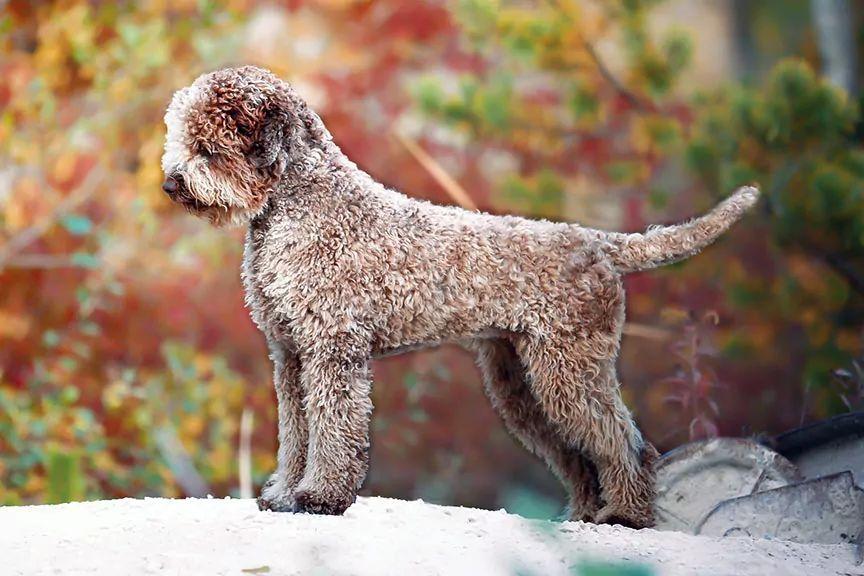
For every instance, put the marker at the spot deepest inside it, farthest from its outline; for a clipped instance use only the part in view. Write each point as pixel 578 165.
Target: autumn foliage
pixel 127 357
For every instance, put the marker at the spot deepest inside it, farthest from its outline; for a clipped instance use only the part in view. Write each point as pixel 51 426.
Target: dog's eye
pixel 204 151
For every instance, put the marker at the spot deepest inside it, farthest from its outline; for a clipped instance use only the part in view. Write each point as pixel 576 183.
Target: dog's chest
pixel 259 275
pixel 277 268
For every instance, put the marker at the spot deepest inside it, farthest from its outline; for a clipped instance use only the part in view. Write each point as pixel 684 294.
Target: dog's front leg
pixel 278 492
pixel 338 409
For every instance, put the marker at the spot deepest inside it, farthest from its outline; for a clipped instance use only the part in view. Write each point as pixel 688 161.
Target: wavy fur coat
pixel 339 270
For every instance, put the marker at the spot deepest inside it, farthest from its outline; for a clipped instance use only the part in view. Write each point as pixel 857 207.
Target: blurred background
pixel 129 366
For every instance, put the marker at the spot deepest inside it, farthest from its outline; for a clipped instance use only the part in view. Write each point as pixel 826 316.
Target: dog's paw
pixel 311 502
pixel 578 513
pixel 279 504
pixel 275 496
pixel 630 519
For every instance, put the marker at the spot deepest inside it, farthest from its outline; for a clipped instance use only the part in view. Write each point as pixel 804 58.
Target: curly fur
pixel 338 270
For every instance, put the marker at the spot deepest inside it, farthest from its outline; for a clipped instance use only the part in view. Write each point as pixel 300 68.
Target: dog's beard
pixel 219 216
pixel 208 195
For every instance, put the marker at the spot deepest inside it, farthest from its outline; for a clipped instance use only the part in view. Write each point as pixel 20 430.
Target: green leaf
pixel 658 198
pixel 50 338
pixel 65 479
pixel 85 260
pixel 622 172
pixel 679 51
pixel 76 224
pixel 583 103
pixel 429 95
pixel 69 395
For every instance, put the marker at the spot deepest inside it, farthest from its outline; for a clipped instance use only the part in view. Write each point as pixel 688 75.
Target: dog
pixel 339 270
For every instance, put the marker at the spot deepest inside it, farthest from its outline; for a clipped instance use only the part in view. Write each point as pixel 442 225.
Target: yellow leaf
pixel 203 364
pixel 64 166
pixel 13 326
pixel 193 426
pixel 849 340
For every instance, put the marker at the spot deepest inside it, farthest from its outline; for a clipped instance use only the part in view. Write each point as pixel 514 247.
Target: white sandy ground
pixel 377 536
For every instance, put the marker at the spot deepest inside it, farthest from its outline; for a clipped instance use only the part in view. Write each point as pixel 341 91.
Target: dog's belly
pixel 429 317
pixel 381 350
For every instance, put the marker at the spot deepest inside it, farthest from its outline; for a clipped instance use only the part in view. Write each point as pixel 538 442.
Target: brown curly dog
pixel 338 270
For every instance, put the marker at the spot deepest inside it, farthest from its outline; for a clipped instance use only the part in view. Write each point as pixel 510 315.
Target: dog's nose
pixel 171 185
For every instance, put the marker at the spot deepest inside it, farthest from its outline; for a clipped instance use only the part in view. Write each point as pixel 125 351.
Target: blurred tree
pixel 124 344
pixel 835 32
pixel 547 99
pixel 127 357
pixel 796 136
pixel 100 282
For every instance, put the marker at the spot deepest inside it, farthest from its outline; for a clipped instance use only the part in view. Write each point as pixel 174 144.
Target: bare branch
pixel 844 268
pixel 610 78
pixel 646 331
pixel 447 182
pixel 607 74
pixel 29 235
pixel 42 262
pixel 244 453
pixel 180 462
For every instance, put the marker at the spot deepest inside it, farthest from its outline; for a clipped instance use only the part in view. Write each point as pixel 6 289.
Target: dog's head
pixel 231 136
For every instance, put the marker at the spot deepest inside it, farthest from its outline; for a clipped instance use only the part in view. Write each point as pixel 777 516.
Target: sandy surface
pixel 376 536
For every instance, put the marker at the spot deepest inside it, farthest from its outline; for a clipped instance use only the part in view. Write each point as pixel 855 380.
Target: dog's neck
pixel 319 175
pixel 316 173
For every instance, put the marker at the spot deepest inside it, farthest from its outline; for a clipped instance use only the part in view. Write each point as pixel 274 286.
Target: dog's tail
pixel 662 245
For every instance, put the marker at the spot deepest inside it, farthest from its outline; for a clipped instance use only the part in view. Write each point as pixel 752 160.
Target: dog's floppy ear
pixel 271 140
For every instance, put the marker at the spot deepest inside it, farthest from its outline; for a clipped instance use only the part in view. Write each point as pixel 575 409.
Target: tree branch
pixel 41 262
pixel 610 78
pixel 445 180
pixel 607 74
pixel 845 269
pixel 29 235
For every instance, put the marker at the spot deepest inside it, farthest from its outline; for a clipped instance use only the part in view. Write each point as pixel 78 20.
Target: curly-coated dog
pixel 339 270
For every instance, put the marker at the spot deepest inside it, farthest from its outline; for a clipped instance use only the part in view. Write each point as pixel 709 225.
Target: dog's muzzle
pixel 172 185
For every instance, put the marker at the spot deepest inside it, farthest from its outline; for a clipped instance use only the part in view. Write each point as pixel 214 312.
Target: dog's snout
pixel 171 185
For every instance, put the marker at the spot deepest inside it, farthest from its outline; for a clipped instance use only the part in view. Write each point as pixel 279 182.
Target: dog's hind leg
pixel 505 384
pixel 277 492
pixel 574 381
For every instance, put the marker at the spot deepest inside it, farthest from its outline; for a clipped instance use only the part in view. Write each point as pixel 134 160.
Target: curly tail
pixel 662 245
